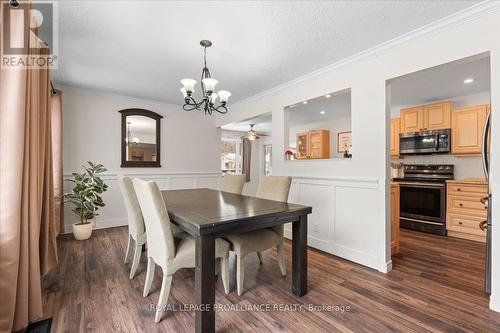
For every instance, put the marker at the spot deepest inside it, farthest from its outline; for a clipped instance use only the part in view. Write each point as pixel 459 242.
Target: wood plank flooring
pixel 435 286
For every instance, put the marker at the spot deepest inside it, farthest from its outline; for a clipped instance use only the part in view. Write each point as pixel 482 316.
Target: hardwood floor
pixel 436 285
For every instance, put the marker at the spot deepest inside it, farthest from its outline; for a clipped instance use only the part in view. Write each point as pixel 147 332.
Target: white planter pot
pixel 83 231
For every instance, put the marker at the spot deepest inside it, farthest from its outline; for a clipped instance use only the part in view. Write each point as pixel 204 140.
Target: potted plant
pixel 85 195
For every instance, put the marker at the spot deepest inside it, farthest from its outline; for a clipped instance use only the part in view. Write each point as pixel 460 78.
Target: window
pixel 268 157
pixel 230 155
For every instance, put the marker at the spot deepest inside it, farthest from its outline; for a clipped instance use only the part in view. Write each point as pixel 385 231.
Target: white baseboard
pixel 494 303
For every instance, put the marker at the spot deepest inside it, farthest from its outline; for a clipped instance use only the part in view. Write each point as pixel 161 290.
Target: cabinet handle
pixel 460 223
pixel 459 189
pixel 461 204
pixel 483 225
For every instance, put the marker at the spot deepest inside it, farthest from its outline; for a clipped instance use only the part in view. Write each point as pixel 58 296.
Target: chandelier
pixel 209 97
pixel 252 135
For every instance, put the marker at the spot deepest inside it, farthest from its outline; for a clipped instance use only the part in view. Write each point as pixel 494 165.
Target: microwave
pixel 425 142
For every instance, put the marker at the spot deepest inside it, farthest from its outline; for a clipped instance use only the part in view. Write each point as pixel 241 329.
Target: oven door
pixel 423 201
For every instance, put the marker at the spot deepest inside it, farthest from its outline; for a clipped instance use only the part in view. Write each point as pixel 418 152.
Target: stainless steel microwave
pixel 425 142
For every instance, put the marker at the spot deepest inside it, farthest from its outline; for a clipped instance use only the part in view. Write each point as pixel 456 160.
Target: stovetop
pixel 427 172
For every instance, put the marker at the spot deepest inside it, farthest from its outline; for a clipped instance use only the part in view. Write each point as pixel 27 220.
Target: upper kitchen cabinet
pixel 412 119
pixel 437 116
pixel 467 129
pixel 395 123
pixel 426 117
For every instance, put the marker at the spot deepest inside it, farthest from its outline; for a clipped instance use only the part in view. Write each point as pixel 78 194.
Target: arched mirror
pixel 140 138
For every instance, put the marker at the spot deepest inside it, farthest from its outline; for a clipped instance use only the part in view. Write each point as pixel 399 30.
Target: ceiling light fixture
pixel 252 135
pixel 304 102
pixel 322 112
pixel 209 97
pixel 469 80
pixel 328 96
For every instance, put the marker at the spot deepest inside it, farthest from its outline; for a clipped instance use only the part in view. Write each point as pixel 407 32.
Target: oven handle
pixel 420 184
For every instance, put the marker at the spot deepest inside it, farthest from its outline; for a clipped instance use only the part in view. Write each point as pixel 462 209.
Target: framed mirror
pixel 140 138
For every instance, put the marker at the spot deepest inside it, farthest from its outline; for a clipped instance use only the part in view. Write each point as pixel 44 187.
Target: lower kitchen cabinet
pixel 394 218
pixel 464 211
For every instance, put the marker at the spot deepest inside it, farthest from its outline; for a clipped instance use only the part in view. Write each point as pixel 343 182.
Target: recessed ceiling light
pixel 470 80
pixel 322 112
pixel 304 102
pixel 328 96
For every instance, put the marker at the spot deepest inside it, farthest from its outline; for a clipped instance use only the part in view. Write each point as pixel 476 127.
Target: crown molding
pixel 458 18
pixel 98 93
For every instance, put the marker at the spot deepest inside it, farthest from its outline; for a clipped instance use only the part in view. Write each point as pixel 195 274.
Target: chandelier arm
pixel 221 109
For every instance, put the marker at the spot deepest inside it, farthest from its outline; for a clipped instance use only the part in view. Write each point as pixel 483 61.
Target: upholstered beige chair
pixel 233 183
pixel 169 252
pixel 136 230
pixel 272 188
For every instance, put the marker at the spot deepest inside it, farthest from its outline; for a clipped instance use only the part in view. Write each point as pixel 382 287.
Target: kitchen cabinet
pixel 394 218
pixel 395 122
pixel 426 117
pixel 412 119
pixel 313 144
pixel 437 116
pixel 467 130
pixel 464 210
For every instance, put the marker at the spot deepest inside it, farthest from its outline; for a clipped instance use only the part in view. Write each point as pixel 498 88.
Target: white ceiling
pixel 442 82
pixel 143 48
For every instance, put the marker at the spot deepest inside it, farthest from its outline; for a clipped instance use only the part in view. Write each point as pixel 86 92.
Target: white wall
pixel 190 147
pixel 354 207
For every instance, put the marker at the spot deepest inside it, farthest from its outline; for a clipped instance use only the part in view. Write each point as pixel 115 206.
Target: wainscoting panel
pixel 114 213
pixel 338 222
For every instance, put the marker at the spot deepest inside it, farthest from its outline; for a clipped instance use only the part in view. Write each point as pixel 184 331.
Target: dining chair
pixel 271 188
pixel 169 252
pixel 233 183
pixel 136 229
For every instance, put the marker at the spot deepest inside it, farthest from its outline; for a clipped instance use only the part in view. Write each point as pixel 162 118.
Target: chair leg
pixel 260 257
pixel 164 292
pixel 240 273
pixel 135 261
pixel 281 258
pixel 150 274
pixel 217 266
pixel 224 266
pixel 128 253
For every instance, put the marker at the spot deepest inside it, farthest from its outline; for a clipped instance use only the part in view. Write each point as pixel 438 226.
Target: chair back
pixel 274 188
pixel 233 183
pixel 161 246
pixel 135 221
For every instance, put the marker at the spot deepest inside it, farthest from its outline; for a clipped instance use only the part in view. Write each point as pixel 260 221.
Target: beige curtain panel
pixel 247 158
pixel 28 226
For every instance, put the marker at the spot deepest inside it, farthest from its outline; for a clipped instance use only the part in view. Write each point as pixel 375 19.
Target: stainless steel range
pixel 423 197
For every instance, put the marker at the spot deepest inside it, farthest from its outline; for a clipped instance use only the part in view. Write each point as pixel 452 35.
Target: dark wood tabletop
pixel 207 214
pixel 205 211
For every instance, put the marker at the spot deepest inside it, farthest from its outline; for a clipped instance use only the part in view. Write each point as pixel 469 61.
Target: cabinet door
pixel 412 119
pixel 302 145
pixel 467 130
pixel 395 137
pixel 437 116
pixel 315 144
pixel 394 218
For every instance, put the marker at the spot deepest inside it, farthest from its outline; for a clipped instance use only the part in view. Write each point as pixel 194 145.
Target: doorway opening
pixel 439 178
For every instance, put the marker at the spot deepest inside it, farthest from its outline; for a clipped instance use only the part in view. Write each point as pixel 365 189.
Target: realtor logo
pixel 29 34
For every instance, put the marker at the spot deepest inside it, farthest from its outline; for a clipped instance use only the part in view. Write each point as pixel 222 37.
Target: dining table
pixel 207 214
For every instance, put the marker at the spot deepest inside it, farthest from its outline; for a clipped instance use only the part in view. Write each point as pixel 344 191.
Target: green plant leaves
pixel 85 192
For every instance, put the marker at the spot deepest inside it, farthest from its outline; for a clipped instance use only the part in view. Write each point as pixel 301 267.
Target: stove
pixel 423 197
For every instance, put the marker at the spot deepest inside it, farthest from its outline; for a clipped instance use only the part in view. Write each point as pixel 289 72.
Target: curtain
pixel 27 230
pixel 57 146
pixel 246 157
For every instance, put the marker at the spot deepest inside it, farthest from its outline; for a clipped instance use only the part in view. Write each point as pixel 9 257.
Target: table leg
pixel 299 256
pixel 205 284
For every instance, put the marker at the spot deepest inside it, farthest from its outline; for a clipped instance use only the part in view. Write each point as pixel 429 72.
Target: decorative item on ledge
pixel 209 97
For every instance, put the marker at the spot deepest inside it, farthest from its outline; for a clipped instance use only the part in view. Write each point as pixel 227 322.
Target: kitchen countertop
pixel 476 181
